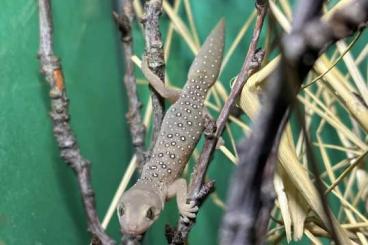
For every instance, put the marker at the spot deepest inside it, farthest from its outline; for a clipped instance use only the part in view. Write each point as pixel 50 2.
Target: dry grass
pixel 330 93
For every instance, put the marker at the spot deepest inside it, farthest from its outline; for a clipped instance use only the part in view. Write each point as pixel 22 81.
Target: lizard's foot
pixel 188 210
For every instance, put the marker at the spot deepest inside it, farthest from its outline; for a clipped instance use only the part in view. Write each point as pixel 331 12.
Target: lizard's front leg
pixel 179 188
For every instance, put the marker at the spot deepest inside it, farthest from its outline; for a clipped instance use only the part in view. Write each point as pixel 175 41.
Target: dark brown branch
pixel 251 63
pixel 300 49
pixel 251 196
pixel 68 147
pixel 137 129
pixel 267 192
pixel 155 58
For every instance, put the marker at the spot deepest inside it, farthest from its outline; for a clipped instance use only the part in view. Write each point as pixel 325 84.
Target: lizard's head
pixel 137 210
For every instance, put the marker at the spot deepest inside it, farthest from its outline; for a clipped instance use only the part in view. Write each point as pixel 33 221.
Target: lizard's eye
pixel 150 215
pixel 121 211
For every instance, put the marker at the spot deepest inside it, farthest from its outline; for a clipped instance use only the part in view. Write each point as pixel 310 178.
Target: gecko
pixel 180 132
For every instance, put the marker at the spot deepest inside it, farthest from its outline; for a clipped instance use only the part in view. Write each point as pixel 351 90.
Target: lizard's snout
pixel 131 229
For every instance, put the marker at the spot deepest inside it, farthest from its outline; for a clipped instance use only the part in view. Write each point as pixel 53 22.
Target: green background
pixel 39 198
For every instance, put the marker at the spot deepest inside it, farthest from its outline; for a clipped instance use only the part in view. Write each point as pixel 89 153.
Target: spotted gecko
pixel 181 129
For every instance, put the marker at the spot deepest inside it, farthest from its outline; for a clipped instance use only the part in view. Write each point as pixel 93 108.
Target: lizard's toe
pixel 192 204
pixel 187 215
pixel 191 215
pixel 185 219
pixel 189 210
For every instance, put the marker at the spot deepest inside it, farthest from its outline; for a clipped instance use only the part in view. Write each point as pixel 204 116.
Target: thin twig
pixel 68 146
pixel 155 58
pixel 251 63
pixel 137 129
pixel 300 50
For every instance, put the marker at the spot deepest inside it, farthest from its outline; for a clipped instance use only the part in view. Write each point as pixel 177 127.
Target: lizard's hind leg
pixel 170 94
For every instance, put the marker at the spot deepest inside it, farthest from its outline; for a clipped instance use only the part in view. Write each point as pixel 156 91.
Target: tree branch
pixel 155 58
pixel 68 147
pixel 251 193
pixel 137 129
pixel 252 62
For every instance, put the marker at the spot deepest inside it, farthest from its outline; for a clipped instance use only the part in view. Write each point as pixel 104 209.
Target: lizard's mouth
pixel 132 231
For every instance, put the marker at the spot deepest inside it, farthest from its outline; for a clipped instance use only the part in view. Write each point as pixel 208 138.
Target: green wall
pixel 39 202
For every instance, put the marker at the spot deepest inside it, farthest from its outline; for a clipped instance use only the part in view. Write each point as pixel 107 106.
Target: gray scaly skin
pixel 181 129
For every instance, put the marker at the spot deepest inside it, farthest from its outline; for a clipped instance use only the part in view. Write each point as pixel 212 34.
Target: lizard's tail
pixel 206 66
